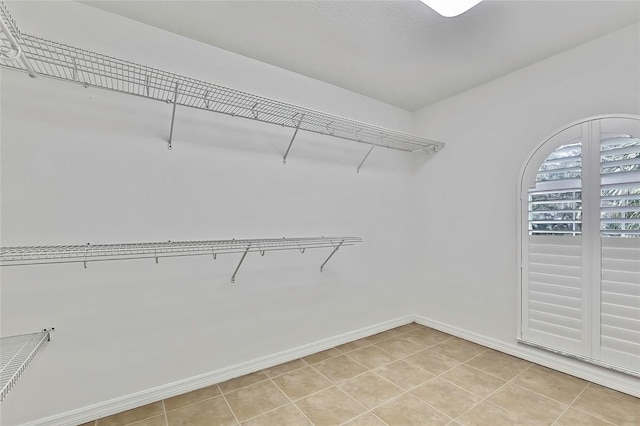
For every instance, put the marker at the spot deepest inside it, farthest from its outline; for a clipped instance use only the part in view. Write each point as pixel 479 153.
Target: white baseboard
pixel 620 382
pixel 114 406
pixel 602 376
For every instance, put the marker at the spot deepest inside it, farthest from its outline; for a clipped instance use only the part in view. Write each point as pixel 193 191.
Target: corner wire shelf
pixel 16 352
pixel 37 255
pixel 47 58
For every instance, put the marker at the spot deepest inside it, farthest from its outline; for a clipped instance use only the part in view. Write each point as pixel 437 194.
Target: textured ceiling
pixel 399 52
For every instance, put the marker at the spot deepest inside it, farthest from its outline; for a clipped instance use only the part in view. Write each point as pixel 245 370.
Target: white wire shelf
pixel 36 255
pixel 51 59
pixel 16 352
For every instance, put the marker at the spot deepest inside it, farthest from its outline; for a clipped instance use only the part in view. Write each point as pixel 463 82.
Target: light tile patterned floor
pixel 411 375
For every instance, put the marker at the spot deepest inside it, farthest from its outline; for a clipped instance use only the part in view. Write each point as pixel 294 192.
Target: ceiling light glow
pixel 450 8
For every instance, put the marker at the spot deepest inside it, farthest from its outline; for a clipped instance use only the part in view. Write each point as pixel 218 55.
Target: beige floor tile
pixel 615 393
pixel 352 346
pixel 426 337
pixel 330 407
pixel 91 423
pixel 256 399
pixel 399 346
pixel 527 404
pixel 487 414
pixel 552 384
pixel 370 389
pixel 505 368
pixel 601 404
pixel 214 411
pixel 458 349
pixel 191 397
pixel 577 418
pixel 433 362
pixel 366 419
pixel 403 374
pixel 340 368
pixel 321 356
pixel 151 421
pixel 503 355
pixel 405 328
pixel 242 381
pixel 474 381
pixel 131 416
pixel 302 382
pixel 407 410
pixel 372 356
pixel 380 337
pixel 446 397
pixel 287 415
pixel 284 368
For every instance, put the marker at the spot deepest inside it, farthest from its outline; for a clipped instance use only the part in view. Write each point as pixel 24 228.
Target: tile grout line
pixel 196 402
pixel 229 405
pixel 485 399
pixel 164 411
pixel 595 388
pixel 598 416
pixel 419 400
pixel 346 393
pixel 290 400
pixel 493 375
pixel 541 395
pixel 569 406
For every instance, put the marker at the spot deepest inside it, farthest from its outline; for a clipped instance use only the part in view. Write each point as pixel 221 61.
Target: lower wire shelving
pixel 16 352
pixel 34 255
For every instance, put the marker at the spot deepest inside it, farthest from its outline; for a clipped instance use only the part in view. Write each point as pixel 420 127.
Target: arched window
pixel 580 243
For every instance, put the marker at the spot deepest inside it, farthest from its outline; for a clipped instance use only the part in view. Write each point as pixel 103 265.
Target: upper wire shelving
pixel 35 255
pixel 47 58
pixel 16 352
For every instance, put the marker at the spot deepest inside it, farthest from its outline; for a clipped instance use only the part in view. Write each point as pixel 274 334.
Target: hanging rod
pixel 91 69
pixel 37 255
pixel 16 352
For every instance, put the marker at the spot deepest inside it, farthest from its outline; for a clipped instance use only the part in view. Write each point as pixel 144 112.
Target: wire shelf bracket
pixel 10 50
pixel 38 255
pixel 16 353
pixel 284 160
pixel 173 115
pixel 332 253
pixel 41 57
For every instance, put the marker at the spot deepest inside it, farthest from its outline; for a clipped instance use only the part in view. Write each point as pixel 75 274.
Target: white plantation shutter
pixel 555 295
pixel 580 250
pixel 620 246
pixel 555 292
pixel 620 302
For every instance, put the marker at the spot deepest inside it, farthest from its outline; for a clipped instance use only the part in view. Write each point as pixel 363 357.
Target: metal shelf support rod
pixel 365 158
pixel 173 114
pixel 334 250
pixel 233 277
pixel 284 160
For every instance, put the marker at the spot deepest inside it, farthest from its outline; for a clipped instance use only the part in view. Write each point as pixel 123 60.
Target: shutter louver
pixel 555 291
pixel 620 242
pixel 620 186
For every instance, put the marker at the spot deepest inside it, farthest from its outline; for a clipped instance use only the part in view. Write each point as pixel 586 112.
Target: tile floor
pixel 411 375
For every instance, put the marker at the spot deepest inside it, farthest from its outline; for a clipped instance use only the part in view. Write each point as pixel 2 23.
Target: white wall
pixel 83 165
pixel 467 266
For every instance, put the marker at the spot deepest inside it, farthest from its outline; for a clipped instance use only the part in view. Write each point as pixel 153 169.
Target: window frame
pixel 587 128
